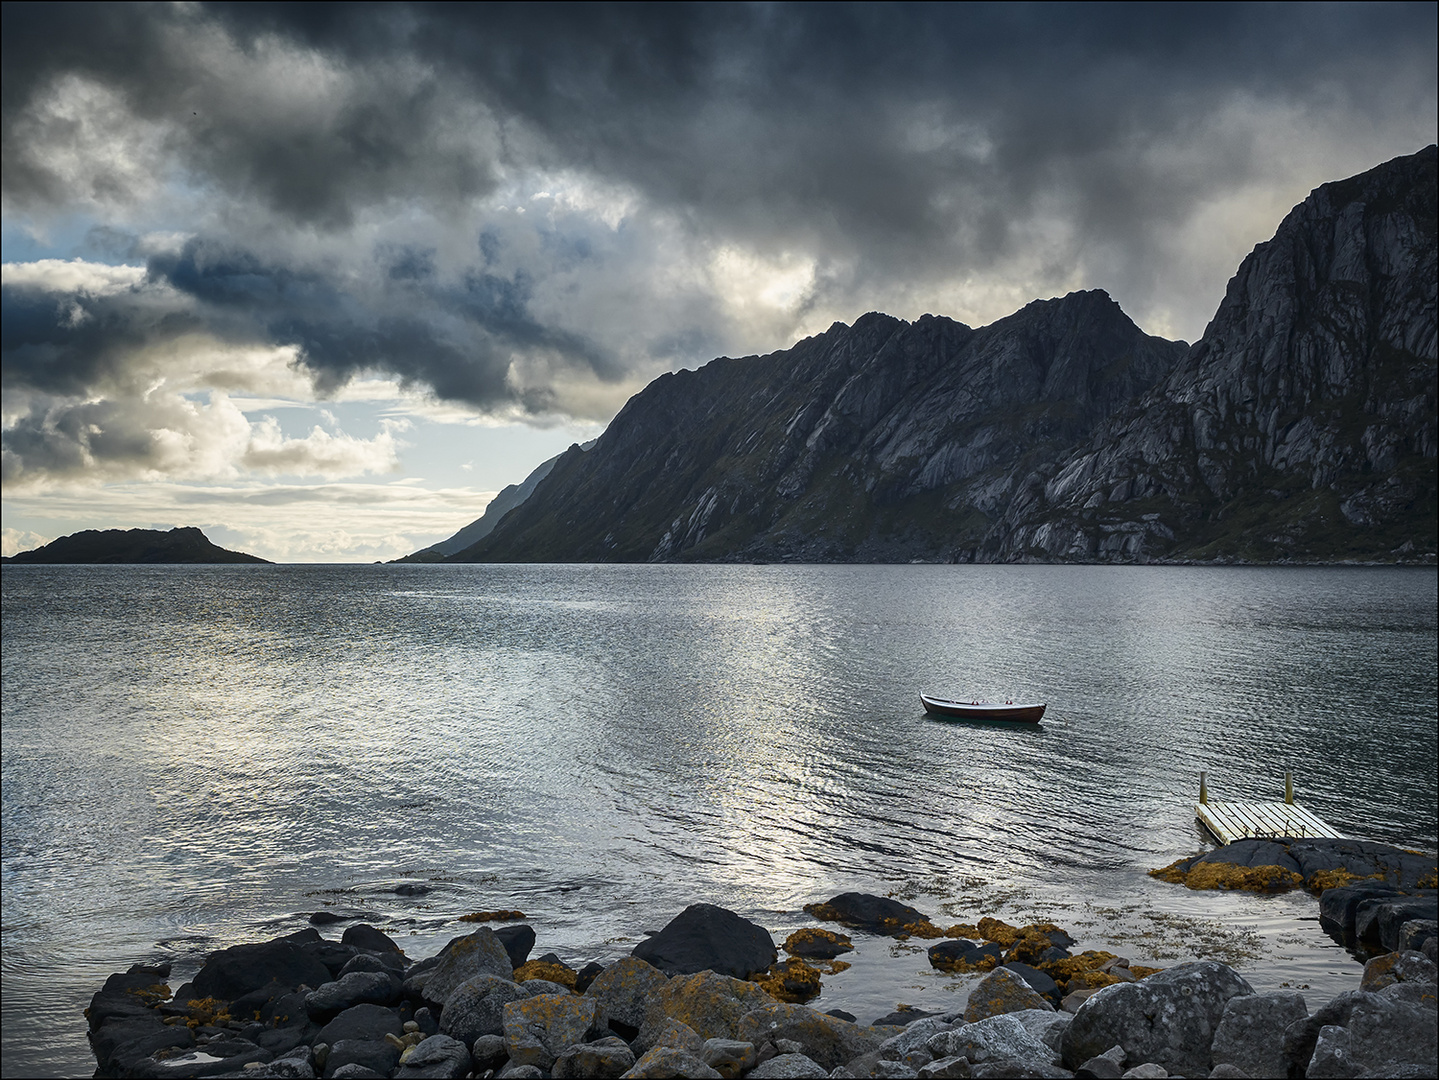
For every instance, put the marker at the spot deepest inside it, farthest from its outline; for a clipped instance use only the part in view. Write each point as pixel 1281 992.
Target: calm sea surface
pixel 199 756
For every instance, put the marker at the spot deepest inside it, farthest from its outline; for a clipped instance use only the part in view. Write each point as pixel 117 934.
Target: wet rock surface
pixel 704 937
pixel 632 1020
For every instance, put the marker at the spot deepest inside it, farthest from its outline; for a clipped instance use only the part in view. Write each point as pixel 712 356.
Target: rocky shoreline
pixel 707 996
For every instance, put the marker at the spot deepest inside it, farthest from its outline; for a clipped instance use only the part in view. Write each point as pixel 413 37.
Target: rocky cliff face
pixel 1302 425
pixel 883 440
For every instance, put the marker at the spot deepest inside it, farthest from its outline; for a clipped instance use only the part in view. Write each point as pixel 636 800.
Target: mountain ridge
pixel 1301 427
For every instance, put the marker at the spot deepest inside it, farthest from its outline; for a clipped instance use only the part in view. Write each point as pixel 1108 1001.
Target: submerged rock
pixel 863 911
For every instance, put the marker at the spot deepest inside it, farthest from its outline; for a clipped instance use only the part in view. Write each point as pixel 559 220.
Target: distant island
pixel 179 545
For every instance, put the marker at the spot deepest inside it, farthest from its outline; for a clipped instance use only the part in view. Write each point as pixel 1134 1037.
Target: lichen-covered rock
pixel 1397 967
pixel 668 1062
pixel 477 1007
pixel 1046 1025
pixel 538 1029
pixel 596 1060
pixel 825 1039
pixel 1169 1018
pixel 729 1057
pixel 1003 991
pixel 994 1038
pixel 711 1004
pixel 704 937
pixel 1251 1030
pixel 437 1058
pixel 465 958
pixel 622 990
pixel 678 1035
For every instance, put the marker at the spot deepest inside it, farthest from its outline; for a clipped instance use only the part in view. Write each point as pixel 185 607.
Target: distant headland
pixel 179 545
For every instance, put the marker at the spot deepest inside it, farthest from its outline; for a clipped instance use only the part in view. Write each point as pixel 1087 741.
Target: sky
pixel 321 279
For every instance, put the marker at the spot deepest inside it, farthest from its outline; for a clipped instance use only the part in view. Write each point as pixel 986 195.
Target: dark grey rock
pixel 477 1007
pixel 120 1044
pixel 488 1052
pixel 356 988
pixel 1299 1040
pixel 864 911
pixel 332 954
pixel 381 1056
pixel 1100 1068
pixel 232 973
pixel 1331 1056
pixel 364 1023
pixel 364 936
pixel 465 958
pixel 330 916
pixel 353 1070
pixel 1041 983
pixel 704 937
pixel 1414 933
pixel 605 1057
pixel 390 963
pixel 518 939
pixel 586 975
pixel 1251 1030
pixel 951 952
pixel 1169 1019
pixel 900 1017
pixel 437 1058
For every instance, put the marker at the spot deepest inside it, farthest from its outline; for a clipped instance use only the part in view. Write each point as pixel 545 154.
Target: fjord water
pixel 198 756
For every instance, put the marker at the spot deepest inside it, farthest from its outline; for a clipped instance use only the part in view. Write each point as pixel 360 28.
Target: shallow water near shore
pixel 199 756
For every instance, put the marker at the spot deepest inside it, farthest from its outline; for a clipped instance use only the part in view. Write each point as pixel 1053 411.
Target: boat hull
pixel 1025 713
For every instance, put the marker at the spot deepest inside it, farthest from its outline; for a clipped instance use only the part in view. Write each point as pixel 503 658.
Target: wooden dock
pixel 1231 821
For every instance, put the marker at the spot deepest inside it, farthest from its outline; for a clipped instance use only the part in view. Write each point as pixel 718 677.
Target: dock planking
pixel 1231 821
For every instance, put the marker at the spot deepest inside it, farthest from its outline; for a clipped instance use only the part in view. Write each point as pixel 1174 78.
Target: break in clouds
pixel 530 211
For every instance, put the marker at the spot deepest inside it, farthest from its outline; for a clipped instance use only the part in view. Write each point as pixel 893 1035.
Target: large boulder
pixel 1251 1029
pixel 539 1029
pixel 465 958
pixel 366 937
pixel 1379 921
pixel 668 1061
pixel 1391 1032
pixel 1168 1019
pixel 864 911
pixel 355 988
pixel 711 1004
pixel 233 972
pixel 621 993
pixel 380 1056
pixel 477 1007
pixel 826 1039
pixel 995 1038
pixel 704 937
pixel 362 1023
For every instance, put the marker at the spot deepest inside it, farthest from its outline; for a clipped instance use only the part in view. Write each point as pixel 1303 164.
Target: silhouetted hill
pixel 179 545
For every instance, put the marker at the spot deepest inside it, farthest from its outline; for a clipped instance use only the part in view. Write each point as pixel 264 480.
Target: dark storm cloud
pixel 890 143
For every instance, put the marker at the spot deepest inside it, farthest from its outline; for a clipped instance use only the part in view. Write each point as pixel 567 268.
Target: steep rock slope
pixel 884 440
pixel 1302 425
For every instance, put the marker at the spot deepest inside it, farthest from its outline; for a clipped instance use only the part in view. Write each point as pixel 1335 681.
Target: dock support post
pixel 1288 787
pixel 1203 791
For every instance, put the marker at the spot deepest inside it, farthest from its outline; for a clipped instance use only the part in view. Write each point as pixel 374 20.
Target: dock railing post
pixel 1288 788
pixel 1203 791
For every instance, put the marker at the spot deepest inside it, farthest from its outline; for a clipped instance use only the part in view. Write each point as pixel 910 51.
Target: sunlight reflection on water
pixel 192 752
